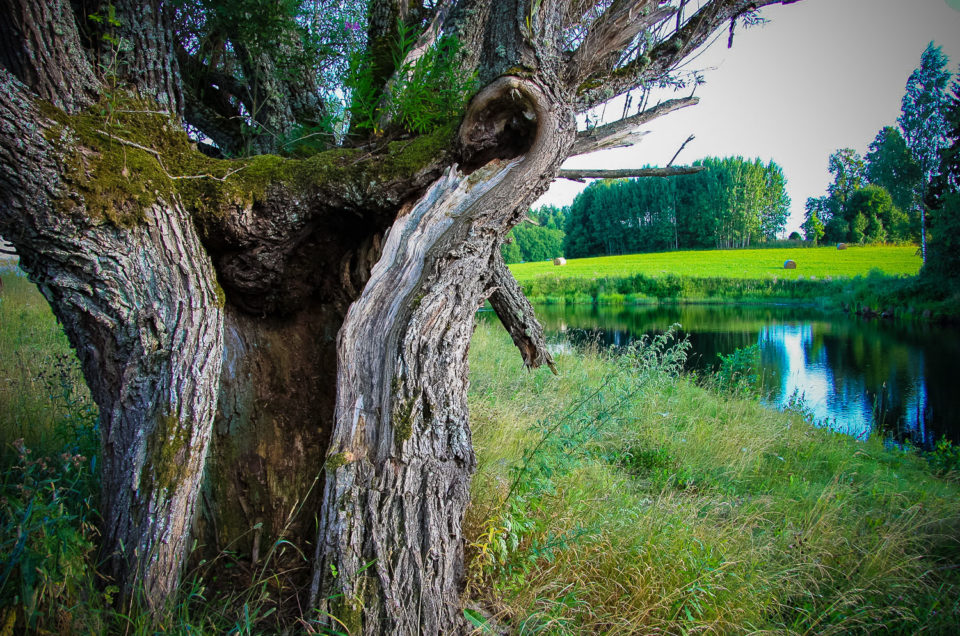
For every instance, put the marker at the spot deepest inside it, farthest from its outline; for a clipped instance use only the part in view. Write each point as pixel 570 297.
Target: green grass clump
pixel 623 497
pixel 48 485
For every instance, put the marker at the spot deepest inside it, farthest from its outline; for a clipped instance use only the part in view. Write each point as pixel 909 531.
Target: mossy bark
pixel 139 305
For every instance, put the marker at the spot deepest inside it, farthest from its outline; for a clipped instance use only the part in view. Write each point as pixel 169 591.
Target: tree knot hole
pixel 501 123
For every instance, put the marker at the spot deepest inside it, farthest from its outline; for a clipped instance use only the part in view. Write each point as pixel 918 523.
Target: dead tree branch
pixel 665 55
pixel 624 132
pixel 680 149
pixel 612 33
pixel 517 315
pixel 580 175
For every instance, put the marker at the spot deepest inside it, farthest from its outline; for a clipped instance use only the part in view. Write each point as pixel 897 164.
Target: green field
pixel 819 262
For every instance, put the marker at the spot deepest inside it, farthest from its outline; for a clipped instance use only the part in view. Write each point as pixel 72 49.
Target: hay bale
pixel 560 261
pixel 790 264
pixel 841 246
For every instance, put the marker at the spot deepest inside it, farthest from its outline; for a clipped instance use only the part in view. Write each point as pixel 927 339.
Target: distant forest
pixel 732 202
pixel 538 239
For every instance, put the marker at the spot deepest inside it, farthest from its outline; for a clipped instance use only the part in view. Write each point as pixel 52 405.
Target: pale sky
pixel 820 75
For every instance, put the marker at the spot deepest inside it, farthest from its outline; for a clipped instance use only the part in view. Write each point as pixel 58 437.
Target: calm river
pixel 853 374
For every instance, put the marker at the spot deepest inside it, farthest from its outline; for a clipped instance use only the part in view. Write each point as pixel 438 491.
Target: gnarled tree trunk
pixel 390 550
pixel 295 333
pixel 140 306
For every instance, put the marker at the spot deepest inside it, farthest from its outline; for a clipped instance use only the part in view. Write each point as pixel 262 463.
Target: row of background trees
pixel 732 202
pixel 539 237
pixel 883 196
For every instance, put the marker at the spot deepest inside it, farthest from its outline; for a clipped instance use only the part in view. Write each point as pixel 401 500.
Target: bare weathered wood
pixel 666 54
pixel 517 316
pixel 580 175
pixel 625 132
pixel 275 412
pixel 611 33
pixel 390 547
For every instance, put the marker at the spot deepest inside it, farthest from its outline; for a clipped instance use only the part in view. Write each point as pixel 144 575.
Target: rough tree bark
pixel 140 307
pixel 300 328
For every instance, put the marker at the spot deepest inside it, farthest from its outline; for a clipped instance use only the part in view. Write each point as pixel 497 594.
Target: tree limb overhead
pixel 624 131
pixel 611 34
pixel 580 175
pixel 666 54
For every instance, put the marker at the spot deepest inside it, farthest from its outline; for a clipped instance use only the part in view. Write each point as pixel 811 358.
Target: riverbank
pixel 619 496
pixel 873 281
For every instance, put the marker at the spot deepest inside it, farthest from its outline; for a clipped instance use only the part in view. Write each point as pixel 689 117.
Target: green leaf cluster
pixel 540 240
pixel 859 206
pixel 425 94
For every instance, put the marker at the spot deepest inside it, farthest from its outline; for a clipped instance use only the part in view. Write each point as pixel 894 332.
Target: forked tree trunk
pixel 390 546
pixel 164 355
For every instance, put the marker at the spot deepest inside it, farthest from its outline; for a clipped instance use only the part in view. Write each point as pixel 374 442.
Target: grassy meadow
pixel 818 262
pixel 620 497
pixel 869 279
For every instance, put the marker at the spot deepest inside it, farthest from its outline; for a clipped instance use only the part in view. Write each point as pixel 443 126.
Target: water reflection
pixel 854 375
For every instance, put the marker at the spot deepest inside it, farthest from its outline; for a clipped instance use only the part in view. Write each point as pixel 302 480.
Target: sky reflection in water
pixel 853 375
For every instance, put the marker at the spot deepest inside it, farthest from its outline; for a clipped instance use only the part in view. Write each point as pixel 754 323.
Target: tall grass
pixel 621 497
pixel 653 503
pixel 43 399
pixel 48 485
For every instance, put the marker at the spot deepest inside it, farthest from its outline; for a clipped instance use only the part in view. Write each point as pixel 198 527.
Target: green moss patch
pixel 119 159
pixel 165 450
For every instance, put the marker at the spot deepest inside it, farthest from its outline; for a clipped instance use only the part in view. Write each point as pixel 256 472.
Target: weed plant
pixel 425 94
pixel 623 498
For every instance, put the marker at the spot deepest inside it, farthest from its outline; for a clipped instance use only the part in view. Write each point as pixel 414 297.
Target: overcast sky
pixel 820 75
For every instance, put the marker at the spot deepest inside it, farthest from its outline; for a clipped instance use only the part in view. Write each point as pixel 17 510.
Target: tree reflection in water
pixel 854 375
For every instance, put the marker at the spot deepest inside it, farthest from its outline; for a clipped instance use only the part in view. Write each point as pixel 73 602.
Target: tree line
pixel 885 195
pixel 731 202
pixel 539 237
